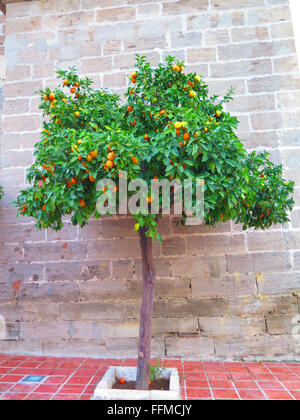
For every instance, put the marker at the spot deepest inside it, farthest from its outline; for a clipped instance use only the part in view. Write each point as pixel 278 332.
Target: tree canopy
pixel 167 126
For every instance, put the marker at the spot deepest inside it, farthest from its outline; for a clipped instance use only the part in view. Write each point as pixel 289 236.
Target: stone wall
pixel 220 293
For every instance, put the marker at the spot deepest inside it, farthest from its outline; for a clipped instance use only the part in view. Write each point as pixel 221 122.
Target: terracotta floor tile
pixel 221 384
pixel 220 394
pixel 39 397
pixel 76 378
pixel 245 385
pixel 250 394
pixel 198 393
pixel 271 385
pixel 278 395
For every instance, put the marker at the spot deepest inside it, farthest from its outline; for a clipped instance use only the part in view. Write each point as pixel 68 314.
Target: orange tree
pixel 167 127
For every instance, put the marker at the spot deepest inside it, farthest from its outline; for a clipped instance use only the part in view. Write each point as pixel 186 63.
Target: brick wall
pixel 220 293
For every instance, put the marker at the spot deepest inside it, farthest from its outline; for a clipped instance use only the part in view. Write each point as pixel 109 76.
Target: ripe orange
pixel 82 203
pixel 133 81
pixel 109 164
pixel 129 108
pixel 45 97
pixel 66 82
pixel 218 113
pixel 92 179
pixel 176 68
pixel 94 154
pixel 72 90
pixel 133 75
pixel 51 96
pixel 191 84
pixel 76 84
pixel 134 160
pixel 186 136
pixel 111 156
pixel 149 199
pixel 77 114
pixel 192 94
pixel 44 207
pixel 74 147
pixel 133 123
pixel 80 158
pixel 74 181
pixel 146 137
pixel 89 158
pixel 196 135
pixel 178 132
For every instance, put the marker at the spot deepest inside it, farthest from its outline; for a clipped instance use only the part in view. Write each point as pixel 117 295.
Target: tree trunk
pixel 143 367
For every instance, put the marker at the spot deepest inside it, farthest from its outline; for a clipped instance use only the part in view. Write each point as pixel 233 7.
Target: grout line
pixel 232 381
pixel 207 378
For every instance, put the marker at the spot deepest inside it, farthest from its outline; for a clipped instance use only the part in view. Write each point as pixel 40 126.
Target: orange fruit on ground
pixel 82 203
pixel 109 164
pixel 51 96
pixel 94 154
pixel 134 160
pixel 111 156
pixel 122 381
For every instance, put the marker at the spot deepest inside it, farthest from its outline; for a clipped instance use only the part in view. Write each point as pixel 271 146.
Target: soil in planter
pixel 158 384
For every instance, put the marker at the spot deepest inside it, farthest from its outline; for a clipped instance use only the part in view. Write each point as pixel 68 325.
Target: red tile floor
pixel 75 378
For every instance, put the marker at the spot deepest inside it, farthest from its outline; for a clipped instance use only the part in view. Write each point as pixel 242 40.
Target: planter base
pixel 104 389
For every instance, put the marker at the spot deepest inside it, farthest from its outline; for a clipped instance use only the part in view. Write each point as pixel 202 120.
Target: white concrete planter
pixel 104 389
